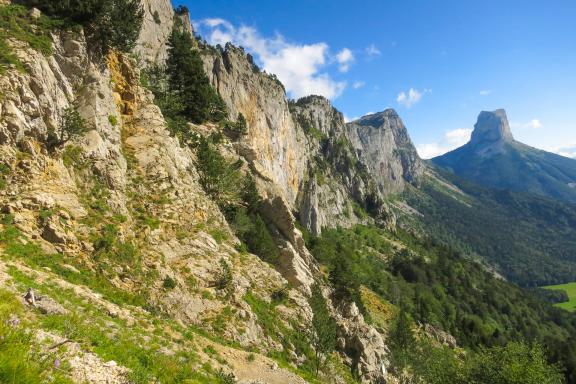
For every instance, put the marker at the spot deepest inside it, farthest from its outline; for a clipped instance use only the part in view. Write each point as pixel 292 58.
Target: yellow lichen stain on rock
pixel 124 82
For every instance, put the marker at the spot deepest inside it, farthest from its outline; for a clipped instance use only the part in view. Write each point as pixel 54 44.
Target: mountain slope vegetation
pixel 529 239
pixel 437 286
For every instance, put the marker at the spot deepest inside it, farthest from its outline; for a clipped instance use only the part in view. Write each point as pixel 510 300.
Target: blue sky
pixel 438 63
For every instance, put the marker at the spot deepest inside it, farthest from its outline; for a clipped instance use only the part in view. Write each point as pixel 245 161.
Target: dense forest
pixel 433 284
pixel 530 240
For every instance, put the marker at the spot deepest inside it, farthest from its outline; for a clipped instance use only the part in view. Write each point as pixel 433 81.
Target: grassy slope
pixel 570 289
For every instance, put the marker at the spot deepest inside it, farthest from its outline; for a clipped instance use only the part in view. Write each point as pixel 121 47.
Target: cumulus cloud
pixel 485 92
pixel 358 84
pixel 532 124
pixel 298 66
pixel 345 58
pixel 535 124
pixel 411 97
pixel 451 140
pixel 372 50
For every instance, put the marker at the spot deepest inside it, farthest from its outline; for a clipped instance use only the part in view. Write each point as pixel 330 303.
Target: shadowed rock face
pixel 493 158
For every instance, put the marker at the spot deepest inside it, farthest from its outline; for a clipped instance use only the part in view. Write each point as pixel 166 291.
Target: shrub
pixel 236 129
pixel 323 327
pixel 113 120
pixel 72 156
pixel 260 241
pixel 71 125
pixel 156 17
pixel 219 177
pixel 169 283
pixel 224 281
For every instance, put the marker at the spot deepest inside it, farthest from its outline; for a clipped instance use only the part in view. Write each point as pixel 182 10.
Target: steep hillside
pixel 493 158
pixel 167 215
pixel 98 194
pixel 528 239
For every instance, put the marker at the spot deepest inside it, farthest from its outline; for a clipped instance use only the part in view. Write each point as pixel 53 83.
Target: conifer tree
pixel 187 79
pixel 323 327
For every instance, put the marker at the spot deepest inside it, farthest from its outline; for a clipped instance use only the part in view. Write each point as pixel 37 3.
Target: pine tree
pixel 219 177
pixel 187 79
pixel 401 334
pixel 109 24
pixel 323 327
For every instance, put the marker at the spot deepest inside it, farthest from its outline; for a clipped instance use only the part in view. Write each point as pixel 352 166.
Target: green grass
pixel 570 289
pixel 15 23
pixel 15 246
pixel 20 362
pixel 139 347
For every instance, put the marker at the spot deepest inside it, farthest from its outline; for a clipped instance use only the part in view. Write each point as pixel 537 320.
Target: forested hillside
pixel 529 239
pixel 419 281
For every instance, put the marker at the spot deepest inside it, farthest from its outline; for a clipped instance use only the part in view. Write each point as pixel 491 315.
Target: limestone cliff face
pixel 159 18
pixel 327 171
pixel 273 145
pixel 382 143
pixel 333 186
pixel 156 29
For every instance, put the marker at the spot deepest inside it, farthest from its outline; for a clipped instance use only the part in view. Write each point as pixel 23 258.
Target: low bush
pixel 71 125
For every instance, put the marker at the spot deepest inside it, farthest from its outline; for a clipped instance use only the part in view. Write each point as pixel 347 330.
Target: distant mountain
pixel 528 239
pixel 494 159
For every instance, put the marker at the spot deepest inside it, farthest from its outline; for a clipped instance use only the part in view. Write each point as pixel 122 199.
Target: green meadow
pixel 570 289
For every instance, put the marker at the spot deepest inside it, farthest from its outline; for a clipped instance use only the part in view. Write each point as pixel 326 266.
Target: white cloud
pixel 358 84
pixel 349 119
pixel 565 150
pixel 345 58
pixel 372 50
pixel 535 124
pixel 411 97
pixel 212 23
pixel 451 140
pixel 532 124
pixel 298 66
pixel 485 92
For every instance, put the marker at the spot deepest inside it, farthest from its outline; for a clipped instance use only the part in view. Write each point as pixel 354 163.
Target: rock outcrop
pixel 273 146
pixel 382 143
pixel 492 127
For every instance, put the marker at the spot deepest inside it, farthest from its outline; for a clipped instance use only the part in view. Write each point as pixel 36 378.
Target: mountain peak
pixel 378 119
pixel 492 127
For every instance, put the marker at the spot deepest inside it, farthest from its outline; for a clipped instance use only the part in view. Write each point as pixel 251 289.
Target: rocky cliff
pixel 131 230
pixel 328 172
